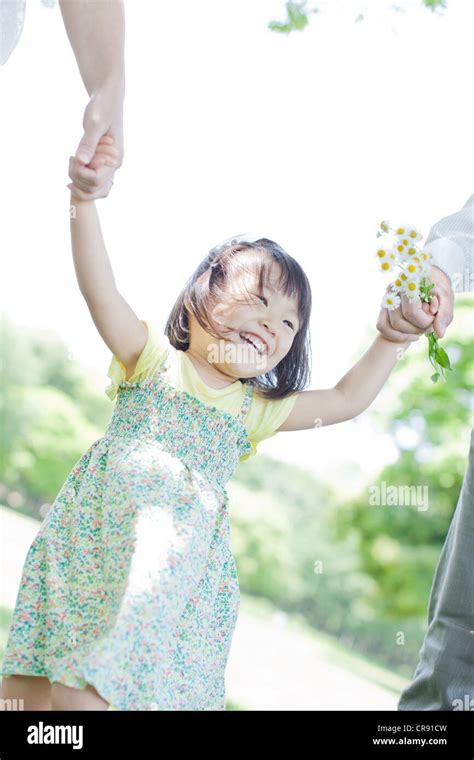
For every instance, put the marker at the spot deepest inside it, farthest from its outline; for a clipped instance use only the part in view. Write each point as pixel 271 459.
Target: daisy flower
pixel 413 269
pixel 391 301
pixel 411 288
pixel 397 284
pixel 386 257
pixel 398 245
pixel 409 232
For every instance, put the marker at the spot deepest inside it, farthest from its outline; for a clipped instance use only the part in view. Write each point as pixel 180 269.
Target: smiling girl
pixel 129 594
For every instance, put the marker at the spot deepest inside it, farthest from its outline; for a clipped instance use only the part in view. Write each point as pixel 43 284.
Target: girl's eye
pixel 262 298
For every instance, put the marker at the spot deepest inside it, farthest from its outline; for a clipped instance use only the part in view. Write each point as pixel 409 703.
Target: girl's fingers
pixel 79 168
pixel 83 177
pixel 96 162
pixel 104 155
pixel 107 138
pixel 99 192
pixel 76 192
pixel 90 179
pixel 93 187
pixel 388 331
pixel 101 151
pixel 399 323
pixel 88 174
pixel 107 149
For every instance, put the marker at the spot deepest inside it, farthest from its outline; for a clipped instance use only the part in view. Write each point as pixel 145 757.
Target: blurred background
pixel 307 124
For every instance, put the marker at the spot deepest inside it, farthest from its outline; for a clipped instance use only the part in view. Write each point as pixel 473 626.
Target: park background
pixel 309 135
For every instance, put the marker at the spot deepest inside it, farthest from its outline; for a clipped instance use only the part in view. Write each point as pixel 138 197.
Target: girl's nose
pixel 269 324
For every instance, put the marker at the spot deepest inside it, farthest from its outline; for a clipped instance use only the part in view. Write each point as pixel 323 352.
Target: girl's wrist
pixel 383 341
pixel 76 201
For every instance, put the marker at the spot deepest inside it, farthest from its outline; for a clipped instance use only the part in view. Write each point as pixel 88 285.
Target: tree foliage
pixel 298 14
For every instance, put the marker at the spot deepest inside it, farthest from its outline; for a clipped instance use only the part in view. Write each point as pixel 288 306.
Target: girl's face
pixel 262 329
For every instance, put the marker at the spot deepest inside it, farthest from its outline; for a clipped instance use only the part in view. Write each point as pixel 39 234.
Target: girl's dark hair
pixel 206 288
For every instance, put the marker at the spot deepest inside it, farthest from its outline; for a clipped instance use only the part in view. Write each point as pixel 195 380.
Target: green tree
pixel 298 15
pixel 50 412
pixel 399 544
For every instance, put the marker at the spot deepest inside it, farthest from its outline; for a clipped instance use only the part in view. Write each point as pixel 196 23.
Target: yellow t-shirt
pixel 263 418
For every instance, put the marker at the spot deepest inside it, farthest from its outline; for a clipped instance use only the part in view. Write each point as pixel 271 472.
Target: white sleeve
pixel 451 243
pixel 12 17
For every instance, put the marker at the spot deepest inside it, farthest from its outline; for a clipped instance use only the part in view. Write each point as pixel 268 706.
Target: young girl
pixel 129 594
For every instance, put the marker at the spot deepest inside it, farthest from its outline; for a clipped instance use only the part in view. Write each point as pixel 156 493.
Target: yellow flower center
pixel 412 286
pixel 381 253
pixel 385 265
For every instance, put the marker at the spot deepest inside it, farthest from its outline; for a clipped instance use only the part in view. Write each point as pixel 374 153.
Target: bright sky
pixel 310 139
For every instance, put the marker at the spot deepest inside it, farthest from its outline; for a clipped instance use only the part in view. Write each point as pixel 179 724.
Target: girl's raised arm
pixel 120 328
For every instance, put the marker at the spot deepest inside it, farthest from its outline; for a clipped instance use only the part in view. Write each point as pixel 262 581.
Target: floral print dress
pixel 130 584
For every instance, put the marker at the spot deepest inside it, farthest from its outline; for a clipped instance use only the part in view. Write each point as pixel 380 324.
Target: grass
pixel 334 651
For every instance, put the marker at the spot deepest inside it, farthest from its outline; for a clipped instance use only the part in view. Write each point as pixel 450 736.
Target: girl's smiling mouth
pixel 260 346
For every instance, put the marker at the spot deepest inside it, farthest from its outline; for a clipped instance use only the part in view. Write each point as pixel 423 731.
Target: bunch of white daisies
pixel 399 249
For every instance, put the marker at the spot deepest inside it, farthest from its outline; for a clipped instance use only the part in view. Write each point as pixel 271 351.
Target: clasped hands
pixel 100 152
pixel 413 319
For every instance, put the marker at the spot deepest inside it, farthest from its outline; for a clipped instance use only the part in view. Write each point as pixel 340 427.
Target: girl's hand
pixel 97 174
pixel 406 323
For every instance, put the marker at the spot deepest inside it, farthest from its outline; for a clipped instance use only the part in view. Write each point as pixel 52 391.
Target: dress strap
pixel 246 402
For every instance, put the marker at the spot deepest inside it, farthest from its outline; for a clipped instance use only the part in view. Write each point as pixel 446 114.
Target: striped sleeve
pixel 451 244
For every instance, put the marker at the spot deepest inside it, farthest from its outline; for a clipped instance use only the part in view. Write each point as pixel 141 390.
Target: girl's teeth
pixel 257 346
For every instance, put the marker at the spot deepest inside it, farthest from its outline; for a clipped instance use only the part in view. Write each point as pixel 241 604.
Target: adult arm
pixel 96 31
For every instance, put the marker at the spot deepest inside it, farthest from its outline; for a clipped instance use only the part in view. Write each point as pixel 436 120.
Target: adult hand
pixel 91 177
pixel 413 318
pixel 444 292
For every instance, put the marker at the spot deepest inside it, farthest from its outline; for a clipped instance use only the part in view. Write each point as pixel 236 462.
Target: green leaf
pixel 442 357
pixel 297 18
pixel 433 4
pixel 296 15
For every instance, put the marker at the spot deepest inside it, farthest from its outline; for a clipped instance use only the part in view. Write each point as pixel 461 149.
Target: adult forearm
pixel 91 262
pixel 96 31
pixel 362 383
